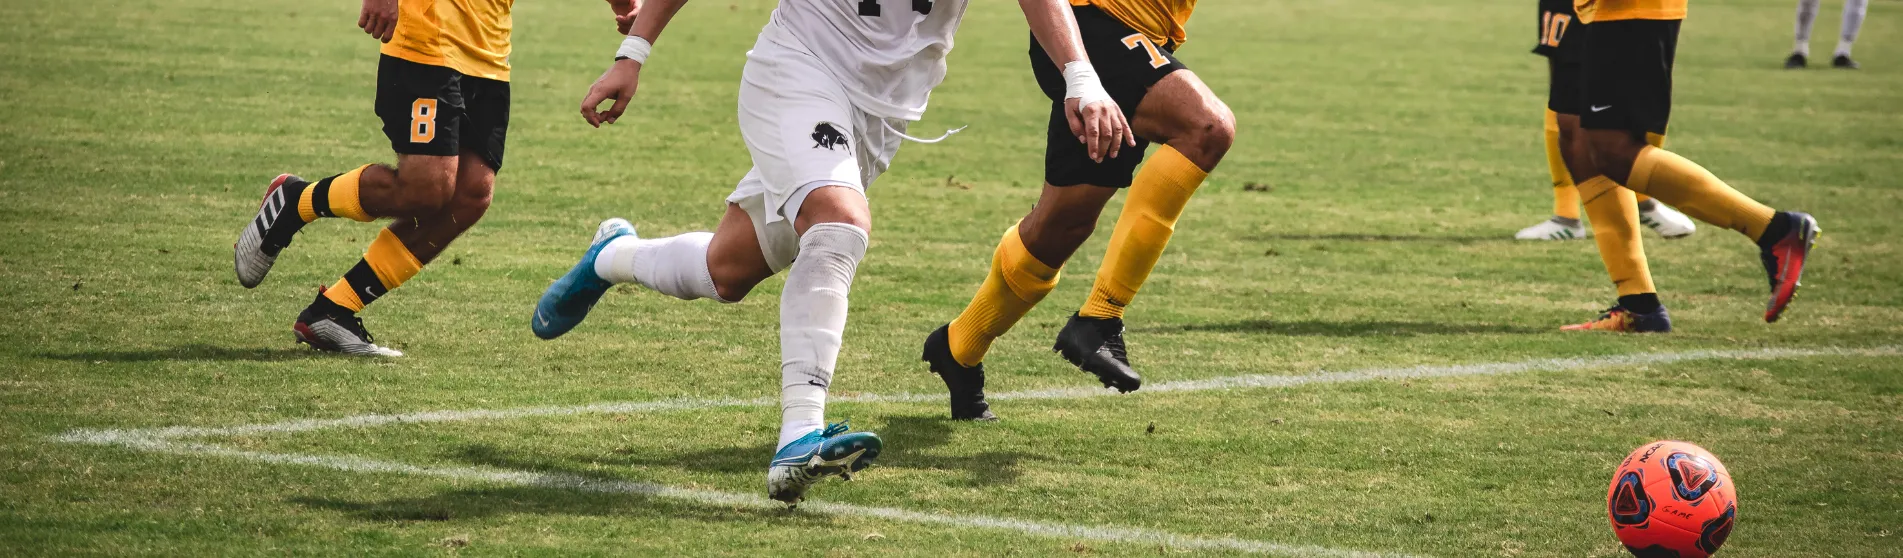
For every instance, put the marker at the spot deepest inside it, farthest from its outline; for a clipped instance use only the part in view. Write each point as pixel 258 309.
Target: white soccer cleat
pixel 1556 228
pixel 1667 221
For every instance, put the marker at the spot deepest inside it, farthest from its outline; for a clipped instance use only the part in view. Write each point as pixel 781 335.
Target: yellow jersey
pixel 469 36
pixel 1614 10
pixel 1160 20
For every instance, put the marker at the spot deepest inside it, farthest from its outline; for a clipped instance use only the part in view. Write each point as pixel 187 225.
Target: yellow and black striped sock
pixel 335 196
pixel 385 266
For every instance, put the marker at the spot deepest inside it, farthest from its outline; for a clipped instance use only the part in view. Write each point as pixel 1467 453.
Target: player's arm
pixel 378 18
pixel 1094 118
pixel 620 80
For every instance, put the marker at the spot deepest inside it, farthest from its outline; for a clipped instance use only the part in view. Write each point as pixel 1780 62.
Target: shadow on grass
pixel 455 505
pixel 1348 329
pixel 1346 237
pixel 187 353
pixel 908 441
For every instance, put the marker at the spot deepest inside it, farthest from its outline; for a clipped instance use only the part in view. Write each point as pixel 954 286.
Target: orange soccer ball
pixel 1671 500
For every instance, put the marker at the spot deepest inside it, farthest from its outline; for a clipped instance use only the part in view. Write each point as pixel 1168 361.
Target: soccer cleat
pixel 965 383
pixel 1784 262
pixel 269 232
pixel 1556 228
pixel 815 456
pixel 1843 61
pixel 1796 61
pixel 1620 320
pixel 569 299
pixel 1668 222
pixel 336 330
pixel 1096 346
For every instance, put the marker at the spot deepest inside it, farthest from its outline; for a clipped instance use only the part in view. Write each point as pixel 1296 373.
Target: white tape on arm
pixel 635 48
pixel 1081 83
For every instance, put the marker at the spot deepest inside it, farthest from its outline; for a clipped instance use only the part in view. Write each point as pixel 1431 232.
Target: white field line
pixel 559 481
pixel 109 436
pixel 162 440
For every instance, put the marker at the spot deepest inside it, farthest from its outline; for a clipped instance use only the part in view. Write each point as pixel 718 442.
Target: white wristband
pixel 635 48
pixel 1081 83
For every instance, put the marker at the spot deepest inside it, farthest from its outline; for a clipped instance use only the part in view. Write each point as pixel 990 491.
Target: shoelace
pixel 355 325
pixel 834 429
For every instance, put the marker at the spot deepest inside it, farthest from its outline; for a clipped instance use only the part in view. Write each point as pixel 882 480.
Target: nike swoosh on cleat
pixel 539 318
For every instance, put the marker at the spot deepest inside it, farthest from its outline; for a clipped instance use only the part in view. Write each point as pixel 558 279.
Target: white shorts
pixel 804 134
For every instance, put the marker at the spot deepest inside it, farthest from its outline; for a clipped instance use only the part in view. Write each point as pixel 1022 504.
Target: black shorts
pixel 434 110
pixel 1627 70
pixel 1556 24
pixel 1128 63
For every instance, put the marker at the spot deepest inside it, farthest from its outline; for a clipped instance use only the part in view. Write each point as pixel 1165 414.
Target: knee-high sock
pixel 812 321
pixel 1853 22
pixel 1615 228
pixel 385 266
pixel 1654 140
pixel 1156 199
pixel 1016 283
pixel 335 196
pixel 675 266
pixel 1683 184
pixel 1806 15
pixel 1565 196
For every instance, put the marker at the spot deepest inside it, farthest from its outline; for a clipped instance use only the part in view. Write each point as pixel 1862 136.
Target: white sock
pixel 1853 22
pixel 812 322
pixel 1806 15
pixel 675 266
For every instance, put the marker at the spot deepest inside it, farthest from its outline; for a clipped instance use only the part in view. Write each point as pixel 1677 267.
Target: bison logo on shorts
pixel 825 135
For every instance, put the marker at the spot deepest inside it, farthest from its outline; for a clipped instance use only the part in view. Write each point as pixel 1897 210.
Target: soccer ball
pixel 1671 500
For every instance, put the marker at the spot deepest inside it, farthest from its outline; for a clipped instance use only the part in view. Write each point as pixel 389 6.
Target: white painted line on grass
pixel 1249 381
pixel 560 481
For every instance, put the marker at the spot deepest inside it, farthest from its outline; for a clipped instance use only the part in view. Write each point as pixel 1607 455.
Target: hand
pixel 624 13
pixel 617 83
pixel 378 19
pixel 1100 126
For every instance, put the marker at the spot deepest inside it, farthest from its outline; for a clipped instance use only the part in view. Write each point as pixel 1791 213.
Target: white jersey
pixel 888 54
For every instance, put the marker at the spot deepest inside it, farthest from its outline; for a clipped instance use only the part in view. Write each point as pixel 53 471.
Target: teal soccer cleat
pixel 817 455
pixel 566 302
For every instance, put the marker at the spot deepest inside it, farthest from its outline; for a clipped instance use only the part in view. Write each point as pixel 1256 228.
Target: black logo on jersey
pixel 825 135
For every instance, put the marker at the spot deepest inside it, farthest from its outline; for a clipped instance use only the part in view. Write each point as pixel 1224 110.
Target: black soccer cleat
pixel 1784 258
pixel 1843 61
pixel 965 383
pixel 1096 346
pixel 269 232
pixel 325 326
pixel 1796 61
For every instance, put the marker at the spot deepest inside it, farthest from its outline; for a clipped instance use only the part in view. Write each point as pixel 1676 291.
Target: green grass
pixel 1400 141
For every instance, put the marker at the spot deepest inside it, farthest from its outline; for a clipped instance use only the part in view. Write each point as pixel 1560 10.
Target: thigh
pixel 1628 76
pixel 1176 106
pixel 421 106
pixel 798 126
pixel 486 120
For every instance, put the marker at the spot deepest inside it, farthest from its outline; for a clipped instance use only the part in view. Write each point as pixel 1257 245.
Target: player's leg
pixel 1635 89
pixel 1806 15
pixel 1661 218
pixel 1565 223
pixel 1847 34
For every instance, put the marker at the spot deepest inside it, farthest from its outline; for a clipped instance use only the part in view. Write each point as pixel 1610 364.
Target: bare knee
pixel 1613 152
pixel 834 204
pixel 423 189
pixel 1209 137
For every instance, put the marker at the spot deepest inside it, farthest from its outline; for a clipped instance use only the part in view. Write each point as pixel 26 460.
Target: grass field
pixel 1399 144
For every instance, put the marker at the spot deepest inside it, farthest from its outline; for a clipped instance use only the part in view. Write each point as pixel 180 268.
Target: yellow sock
pixel 1690 188
pixel 1565 197
pixel 1016 283
pixel 333 197
pixel 1156 199
pixel 1654 140
pixel 385 266
pixel 1615 228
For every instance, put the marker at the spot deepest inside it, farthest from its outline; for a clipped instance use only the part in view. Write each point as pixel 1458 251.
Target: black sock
pixel 1642 303
pixel 1780 226
pixel 324 307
